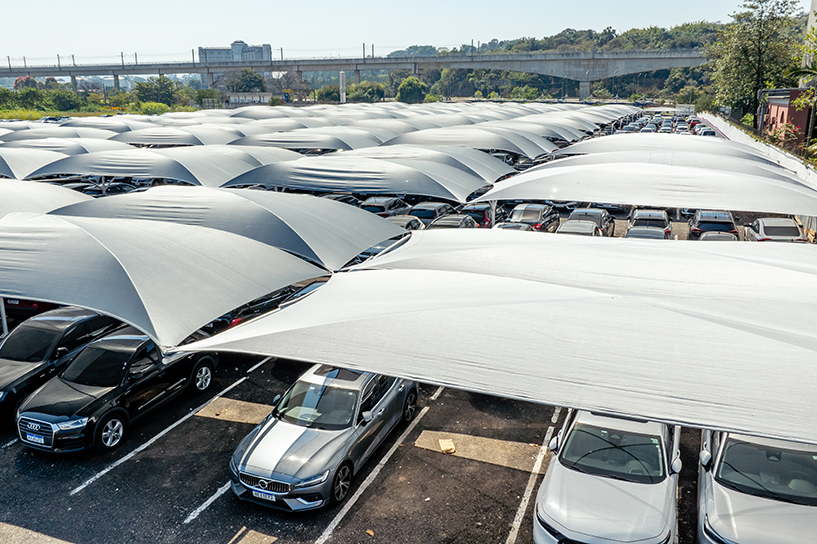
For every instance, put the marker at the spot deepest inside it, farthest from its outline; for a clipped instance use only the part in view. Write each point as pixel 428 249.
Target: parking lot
pixel 168 481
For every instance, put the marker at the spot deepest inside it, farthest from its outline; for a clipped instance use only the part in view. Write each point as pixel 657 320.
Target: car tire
pixel 410 406
pixel 341 484
pixel 202 377
pixel 110 431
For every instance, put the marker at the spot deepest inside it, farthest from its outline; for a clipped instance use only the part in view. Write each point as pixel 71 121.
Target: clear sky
pixel 97 31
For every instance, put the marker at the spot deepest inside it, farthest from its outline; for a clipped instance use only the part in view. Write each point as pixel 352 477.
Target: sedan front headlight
pixel 314 480
pixel 73 424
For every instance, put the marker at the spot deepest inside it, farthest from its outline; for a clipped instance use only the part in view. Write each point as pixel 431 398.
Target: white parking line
pixel 327 533
pixel 6 445
pixel 437 393
pixel 147 444
pixel 520 513
pixel 195 513
pixel 556 413
pixel 250 371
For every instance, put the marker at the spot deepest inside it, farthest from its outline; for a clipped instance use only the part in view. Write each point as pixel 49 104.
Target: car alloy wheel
pixel 203 378
pixel 110 432
pixel 341 483
pixel 410 406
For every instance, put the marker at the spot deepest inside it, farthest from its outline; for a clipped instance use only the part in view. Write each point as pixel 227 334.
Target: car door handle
pixel 380 412
pixel 402 386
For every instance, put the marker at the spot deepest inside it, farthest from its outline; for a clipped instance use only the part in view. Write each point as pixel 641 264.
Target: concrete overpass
pixel 583 67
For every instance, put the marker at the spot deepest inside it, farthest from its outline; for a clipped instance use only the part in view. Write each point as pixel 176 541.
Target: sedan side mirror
pixel 705 458
pixel 276 399
pixel 61 352
pixel 366 416
pixel 553 445
pixel 676 465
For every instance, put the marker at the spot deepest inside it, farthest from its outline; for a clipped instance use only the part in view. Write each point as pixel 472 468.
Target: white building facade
pixel 238 51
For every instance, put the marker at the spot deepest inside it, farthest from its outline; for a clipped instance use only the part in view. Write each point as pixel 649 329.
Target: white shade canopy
pixel 165 279
pixel 19 163
pixel 173 136
pixel 321 230
pixel 362 175
pixel 477 137
pixel 646 184
pixel 27 196
pixel 703 335
pixel 37 131
pixel 69 146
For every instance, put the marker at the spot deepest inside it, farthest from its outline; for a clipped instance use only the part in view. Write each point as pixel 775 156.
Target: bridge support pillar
pixel 357 77
pixel 74 82
pixel 342 87
pixel 207 79
pixel 584 89
pixel 116 82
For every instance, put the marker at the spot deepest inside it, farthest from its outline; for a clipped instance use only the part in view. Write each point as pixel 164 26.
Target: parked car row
pixel 615 480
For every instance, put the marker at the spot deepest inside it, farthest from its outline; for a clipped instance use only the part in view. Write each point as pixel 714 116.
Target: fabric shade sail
pixel 468 160
pixel 645 184
pixel 165 279
pixel 69 146
pixel 198 165
pixel 323 231
pixel 27 196
pixel 362 175
pixel 173 136
pixel 18 163
pixel 308 139
pixel 477 137
pixel 55 131
pixel 704 335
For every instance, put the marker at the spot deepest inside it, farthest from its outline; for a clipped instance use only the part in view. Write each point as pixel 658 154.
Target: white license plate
pixel 35 438
pixel 262 495
pixel 12 301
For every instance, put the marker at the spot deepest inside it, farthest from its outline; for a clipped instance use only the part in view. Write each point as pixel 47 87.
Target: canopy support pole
pixel 3 317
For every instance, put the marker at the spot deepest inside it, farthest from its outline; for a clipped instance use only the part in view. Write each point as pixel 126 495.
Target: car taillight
pixel 668 230
pixel 697 231
pixel 762 239
pixel 234 322
pixel 734 232
pixel 383 214
pixel 537 226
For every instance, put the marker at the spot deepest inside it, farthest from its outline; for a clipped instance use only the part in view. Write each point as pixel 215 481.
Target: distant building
pixel 238 51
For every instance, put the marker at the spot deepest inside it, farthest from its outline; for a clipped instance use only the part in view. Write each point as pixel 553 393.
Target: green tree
pixel 366 91
pixel 245 81
pixel 65 100
pixel 753 52
pixel 157 89
pixel 411 91
pixel 31 98
pixel 205 94
pixel 328 93
pixel 25 82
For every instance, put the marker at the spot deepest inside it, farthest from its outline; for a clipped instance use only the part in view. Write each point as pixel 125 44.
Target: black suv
pixel 539 217
pixel 41 347
pixel 111 383
pixel 712 221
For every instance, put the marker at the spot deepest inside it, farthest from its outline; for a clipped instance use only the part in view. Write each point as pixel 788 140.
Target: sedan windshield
pixel 648 222
pixel 29 344
pixel 97 367
pixel 770 472
pixel 615 454
pixel 782 230
pixel 317 405
pixel 373 208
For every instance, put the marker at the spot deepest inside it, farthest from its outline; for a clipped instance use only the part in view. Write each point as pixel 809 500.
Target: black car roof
pixel 127 339
pixel 61 318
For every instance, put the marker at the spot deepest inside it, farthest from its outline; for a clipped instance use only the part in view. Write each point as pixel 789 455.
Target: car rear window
pixel 423 214
pixel 649 222
pixel 594 217
pixel 374 209
pixel 782 231
pixel 716 226
pixel 527 214
pixel 477 215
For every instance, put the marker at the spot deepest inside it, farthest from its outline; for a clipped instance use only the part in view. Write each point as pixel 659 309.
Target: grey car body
pixel 654 233
pixel 408 222
pixel 324 428
pixel 610 480
pixel 640 217
pixel 601 218
pixel 579 227
pixel 753 490
pixel 774 229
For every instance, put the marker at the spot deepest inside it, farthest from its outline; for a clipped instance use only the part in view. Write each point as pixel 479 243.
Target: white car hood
pixel 748 519
pixel 605 508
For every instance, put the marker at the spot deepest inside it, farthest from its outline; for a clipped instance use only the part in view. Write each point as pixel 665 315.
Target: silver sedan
pixel 324 428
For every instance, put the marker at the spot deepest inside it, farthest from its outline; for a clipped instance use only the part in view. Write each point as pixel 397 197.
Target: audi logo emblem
pixel 34 426
pixel 262 484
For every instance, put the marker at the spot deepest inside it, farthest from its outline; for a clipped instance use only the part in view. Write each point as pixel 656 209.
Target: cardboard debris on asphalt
pixel 447 446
